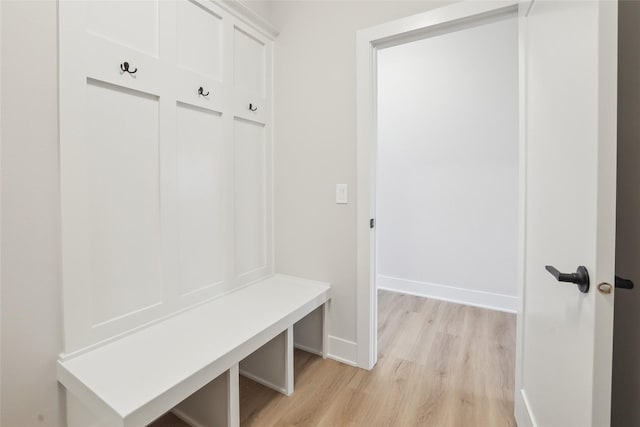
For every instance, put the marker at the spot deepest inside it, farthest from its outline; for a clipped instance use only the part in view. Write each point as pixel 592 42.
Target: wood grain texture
pixel 440 364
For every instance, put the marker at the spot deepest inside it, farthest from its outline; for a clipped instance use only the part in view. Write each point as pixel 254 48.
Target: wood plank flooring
pixel 440 364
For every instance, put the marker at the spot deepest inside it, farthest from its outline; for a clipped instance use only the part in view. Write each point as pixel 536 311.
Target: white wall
pixel 315 144
pixel 626 333
pixel 31 312
pixel 447 183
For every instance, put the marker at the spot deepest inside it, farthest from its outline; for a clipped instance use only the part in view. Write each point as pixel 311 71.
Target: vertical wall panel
pixel 250 206
pixel 133 23
pixel 249 63
pixel 123 206
pixel 199 39
pixel 202 171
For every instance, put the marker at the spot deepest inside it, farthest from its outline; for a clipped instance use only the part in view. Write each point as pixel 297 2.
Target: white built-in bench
pixel 189 363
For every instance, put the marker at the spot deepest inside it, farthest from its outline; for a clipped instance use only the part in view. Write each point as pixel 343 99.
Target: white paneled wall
pixel 117 214
pixel 199 39
pixel 250 198
pixel 202 191
pixel 165 165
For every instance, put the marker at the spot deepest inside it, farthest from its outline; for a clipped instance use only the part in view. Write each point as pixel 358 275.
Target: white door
pixel 564 335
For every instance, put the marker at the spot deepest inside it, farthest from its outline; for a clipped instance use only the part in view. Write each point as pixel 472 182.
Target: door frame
pixel 368 41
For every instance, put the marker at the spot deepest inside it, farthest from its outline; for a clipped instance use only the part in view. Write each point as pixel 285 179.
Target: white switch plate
pixel 341 193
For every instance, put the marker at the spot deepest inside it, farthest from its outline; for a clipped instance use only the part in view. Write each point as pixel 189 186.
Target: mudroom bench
pixel 189 363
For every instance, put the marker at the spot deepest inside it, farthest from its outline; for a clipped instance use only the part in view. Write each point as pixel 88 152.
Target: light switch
pixel 341 193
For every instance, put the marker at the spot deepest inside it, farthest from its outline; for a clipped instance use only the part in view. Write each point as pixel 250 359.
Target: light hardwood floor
pixel 440 364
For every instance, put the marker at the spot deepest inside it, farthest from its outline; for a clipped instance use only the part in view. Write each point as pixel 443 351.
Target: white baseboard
pixel 186 418
pixel 308 349
pixel 343 351
pixel 265 383
pixel 449 293
pixel 523 414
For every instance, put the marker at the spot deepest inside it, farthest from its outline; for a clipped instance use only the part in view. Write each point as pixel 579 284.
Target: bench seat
pixel 135 379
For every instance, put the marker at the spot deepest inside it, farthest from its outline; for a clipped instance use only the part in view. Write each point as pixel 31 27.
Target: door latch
pixel 623 283
pixel 606 288
pixel 580 277
pixel 372 223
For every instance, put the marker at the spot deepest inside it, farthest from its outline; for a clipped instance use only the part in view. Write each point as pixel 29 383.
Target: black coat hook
pixel 125 68
pixel 201 91
pixel 252 108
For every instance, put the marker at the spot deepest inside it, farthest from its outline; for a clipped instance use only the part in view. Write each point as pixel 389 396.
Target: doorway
pixel 446 195
pixel 371 44
pixel 420 180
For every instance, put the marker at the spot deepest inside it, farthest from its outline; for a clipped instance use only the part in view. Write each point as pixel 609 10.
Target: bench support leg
pixel 289 367
pixel 234 397
pixel 325 330
pixel 217 404
pixel 272 364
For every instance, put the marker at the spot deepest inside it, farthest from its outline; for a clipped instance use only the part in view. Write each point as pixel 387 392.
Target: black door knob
pixel 580 277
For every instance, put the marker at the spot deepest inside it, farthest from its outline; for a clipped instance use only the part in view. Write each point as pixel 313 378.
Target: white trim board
pixel 308 349
pixel 250 17
pixel 264 382
pixel 185 418
pixel 454 294
pixel 343 351
pixel 523 412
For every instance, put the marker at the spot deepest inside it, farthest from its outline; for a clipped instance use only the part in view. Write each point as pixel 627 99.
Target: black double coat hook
pixel 125 68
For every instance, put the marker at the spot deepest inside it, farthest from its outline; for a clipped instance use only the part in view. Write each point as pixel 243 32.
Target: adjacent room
pixel 447 213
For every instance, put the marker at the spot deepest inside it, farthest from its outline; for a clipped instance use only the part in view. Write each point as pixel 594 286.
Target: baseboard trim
pixel 186 418
pixel 482 299
pixel 524 417
pixel 265 383
pixel 343 351
pixel 308 349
